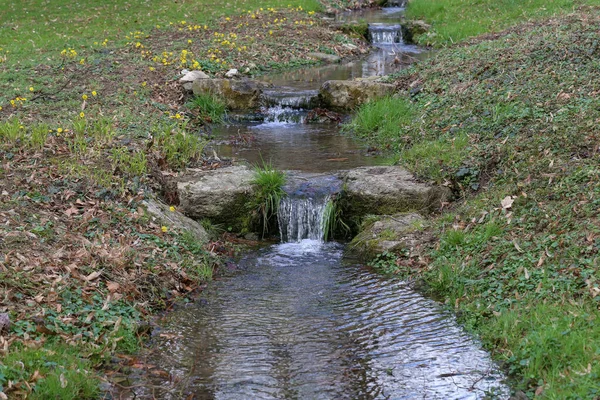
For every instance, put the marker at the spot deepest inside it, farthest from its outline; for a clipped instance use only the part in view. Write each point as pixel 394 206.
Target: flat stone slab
pixel 219 194
pixel 388 190
pixel 175 219
pixel 347 95
pixel 241 94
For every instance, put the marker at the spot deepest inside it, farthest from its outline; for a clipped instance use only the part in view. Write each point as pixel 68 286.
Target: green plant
pixel 39 134
pixel 11 130
pixel 269 184
pixel 332 221
pixel 178 147
pixel 383 121
pixel 130 163
pixel 62 372
pixel 209 107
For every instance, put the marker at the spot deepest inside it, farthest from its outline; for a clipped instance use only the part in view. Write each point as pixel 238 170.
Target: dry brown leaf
pixel 93 276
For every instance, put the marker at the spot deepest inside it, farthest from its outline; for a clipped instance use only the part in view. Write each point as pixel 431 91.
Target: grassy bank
pixel 92 122
pixel 510 123
pixel 456 20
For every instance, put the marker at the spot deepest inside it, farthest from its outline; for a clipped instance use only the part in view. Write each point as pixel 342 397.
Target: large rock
pixel 389 190
pixel 175 219
pixel 220 195
pixel 392 233
pixel 348 95
pixel 191 76
pixel 238 94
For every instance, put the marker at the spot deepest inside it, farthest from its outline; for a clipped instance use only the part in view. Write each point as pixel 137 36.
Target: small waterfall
pixel 283 115
pixel 297 99
pixel 396 3
pixel 301 218
pixel 382 34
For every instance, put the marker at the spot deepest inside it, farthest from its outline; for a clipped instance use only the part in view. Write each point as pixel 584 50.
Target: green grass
pixel 177 145
pixel 62 373
pixel 456 20
pixel 268 183
pixel 209 107
pixel 515 116
pixel 383 121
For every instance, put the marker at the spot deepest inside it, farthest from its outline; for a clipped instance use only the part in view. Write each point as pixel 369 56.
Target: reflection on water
pixel 297 322
pixel 293 146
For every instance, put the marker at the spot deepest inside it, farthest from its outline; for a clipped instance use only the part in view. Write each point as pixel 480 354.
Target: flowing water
pixel 301 319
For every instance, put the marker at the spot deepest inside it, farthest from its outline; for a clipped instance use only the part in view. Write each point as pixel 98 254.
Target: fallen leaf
pixel 63 381
pixel 517 246
pixel 507 202
pixel 112 286
pixel 92 276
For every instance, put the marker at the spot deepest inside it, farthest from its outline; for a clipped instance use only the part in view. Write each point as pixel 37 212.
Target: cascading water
pixel 385 34
pixel 301 218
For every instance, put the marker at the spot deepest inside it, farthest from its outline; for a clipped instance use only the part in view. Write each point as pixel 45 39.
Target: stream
pixel 301 319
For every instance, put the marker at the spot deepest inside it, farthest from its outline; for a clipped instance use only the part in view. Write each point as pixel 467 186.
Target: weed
pixel 383 121
pixel 332 221
pixel 11 130
pixel 62 372
pixel 209 107
pixel 178 147
pixel 39 135
pixel 269 184
pixel 130 163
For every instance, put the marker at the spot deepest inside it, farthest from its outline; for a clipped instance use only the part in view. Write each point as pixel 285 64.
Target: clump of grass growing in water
pixel 382 120
pixel 209 107
pixel 332 220
pixel 269 184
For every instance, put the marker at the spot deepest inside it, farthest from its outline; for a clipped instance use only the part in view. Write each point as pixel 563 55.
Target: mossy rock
pixel 340 95
pixel 389 190
pixel 220 195
pixel 392 233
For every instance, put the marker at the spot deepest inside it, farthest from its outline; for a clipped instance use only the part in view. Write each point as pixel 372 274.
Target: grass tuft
pixel 269 184
pixel 209 107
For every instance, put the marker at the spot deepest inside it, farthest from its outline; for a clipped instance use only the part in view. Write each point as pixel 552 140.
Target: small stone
pixel 231 73
pixel 4 322
pixel 192 76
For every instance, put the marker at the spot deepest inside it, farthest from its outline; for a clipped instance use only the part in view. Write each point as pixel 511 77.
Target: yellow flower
pixel 82 61
pixel 0 108
pixel 31 88
pixel 151 68
pixel 189 41
pixel 94 93
pixel 59 130
pixel 144 84
pixel 177 116
pixel 164 229
pixel 270 32
pixel 84 97
pixel 82 114
pixel 171 208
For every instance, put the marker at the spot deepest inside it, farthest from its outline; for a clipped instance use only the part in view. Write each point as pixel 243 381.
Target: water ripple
pixel 300 323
